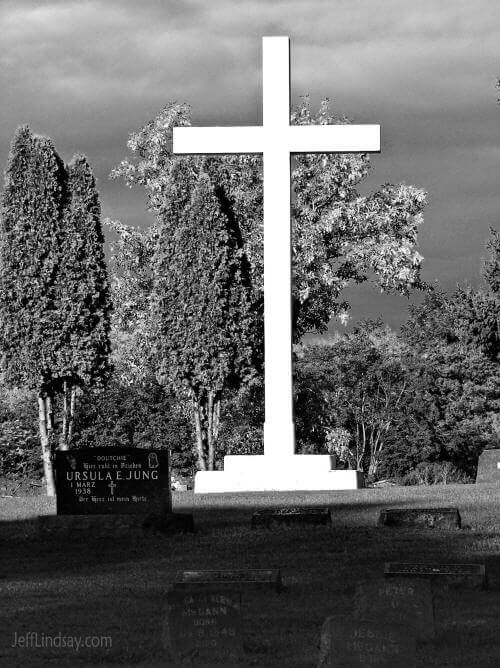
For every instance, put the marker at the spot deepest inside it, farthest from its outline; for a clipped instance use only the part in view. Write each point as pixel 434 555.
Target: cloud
pixel 89 72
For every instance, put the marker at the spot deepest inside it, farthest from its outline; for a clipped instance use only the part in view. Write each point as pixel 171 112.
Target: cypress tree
pixel 54 293
pixel 32 207
pixel 83 353
pixel 204 333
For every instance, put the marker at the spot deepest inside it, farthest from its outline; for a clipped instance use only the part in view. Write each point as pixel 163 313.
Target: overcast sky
pixel 87 73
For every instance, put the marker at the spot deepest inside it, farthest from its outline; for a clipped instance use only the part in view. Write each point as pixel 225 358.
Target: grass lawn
pixel 118 588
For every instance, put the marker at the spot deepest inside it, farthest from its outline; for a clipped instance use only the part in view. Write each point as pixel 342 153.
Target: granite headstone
pixel 488 467
pixel 224 580
pixel 397 601
pixel 291 515
pixel 204 627
pixel 351 643
pixel 103 481
pixel 471 576
pixel 421 518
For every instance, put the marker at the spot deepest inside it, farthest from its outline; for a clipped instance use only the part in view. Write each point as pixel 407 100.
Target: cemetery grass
pixel 79 586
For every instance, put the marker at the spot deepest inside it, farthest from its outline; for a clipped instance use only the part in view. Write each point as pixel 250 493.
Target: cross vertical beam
pixel 279 433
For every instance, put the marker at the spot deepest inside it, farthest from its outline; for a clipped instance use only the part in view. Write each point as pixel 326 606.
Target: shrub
pixel 435 473
pixel 19 441
pixel 19 452
pixel 135 415
pixel 242 423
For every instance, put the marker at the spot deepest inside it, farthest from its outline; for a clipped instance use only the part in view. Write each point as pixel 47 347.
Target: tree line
pixel 164 344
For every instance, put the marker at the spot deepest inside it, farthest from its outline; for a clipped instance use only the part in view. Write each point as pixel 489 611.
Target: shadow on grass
pixel 224 539
pixel 117 586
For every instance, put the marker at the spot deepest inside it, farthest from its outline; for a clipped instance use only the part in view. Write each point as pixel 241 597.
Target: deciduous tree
pixel 361 381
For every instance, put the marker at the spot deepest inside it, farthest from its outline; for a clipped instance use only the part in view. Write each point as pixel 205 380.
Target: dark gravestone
pixel 351 643
pixel 422 518
pixel 228 580
pixel 204 627
pixel 397 601
pixel 272 516
pixel 110 492
pixel 472 576
pixel 488 467
pixel 103 481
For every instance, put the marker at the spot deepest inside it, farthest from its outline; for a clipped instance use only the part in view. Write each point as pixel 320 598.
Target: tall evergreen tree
pixel 32 208
pixel 54 295
pixel 83 290
pixel 205 334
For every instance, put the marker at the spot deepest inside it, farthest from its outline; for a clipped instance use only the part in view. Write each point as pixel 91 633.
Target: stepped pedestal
pixel 265 473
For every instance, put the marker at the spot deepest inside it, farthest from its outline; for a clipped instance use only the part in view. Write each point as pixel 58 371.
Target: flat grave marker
pixel 229 579
pixel 422 518
pixel 291 515
pixel 488 466
pixel 204 627
pixel 472 576
pixel 404 601
pixel 350 643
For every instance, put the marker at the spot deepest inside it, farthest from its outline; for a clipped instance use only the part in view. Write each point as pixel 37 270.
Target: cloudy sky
pixel 87 73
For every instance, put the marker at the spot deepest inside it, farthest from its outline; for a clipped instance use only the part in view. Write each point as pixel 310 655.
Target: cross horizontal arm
pixel 293 138
pixel 218 140
pixel 334 138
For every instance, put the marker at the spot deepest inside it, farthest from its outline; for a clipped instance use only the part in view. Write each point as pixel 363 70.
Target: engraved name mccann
pixel 82 476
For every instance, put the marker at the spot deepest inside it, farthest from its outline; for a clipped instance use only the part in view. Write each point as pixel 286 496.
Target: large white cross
pixel 276 139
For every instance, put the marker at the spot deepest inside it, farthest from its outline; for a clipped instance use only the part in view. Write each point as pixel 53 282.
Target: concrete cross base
pixel 261 473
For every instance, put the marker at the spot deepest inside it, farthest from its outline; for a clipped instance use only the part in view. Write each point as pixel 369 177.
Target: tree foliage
pixel 20 462
pixel 339 236
pixel 357 384
pixel 32 208
pixel 342 237
pixel 83 289
pixel 455 355
pixel 491 269
pixel 55 298
pixel 83 293
pixel 139 414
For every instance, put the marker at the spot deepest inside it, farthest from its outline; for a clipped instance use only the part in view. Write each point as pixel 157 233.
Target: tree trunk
pixel 72 407
pixel 63 438
pixel 373 466
pixel 44 418
pixel 210 442
pixel 199 435
pixel 361 445
pixel 216 423
pixel 68 413
pixel 213 419
pixel 206 421
pixel 50 417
